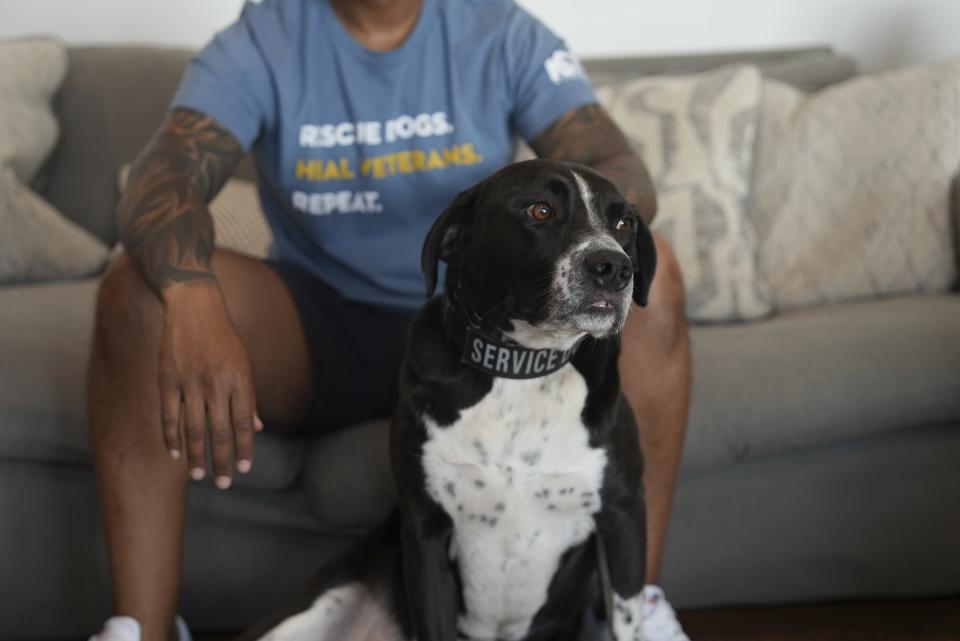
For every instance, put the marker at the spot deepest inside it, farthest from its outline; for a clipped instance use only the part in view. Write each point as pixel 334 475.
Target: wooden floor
pixel 875 621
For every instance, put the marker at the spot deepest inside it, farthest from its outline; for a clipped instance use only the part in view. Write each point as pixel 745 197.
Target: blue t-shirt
pixel 359 151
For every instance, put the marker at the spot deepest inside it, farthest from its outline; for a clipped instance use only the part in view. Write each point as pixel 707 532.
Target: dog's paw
pixel 628 617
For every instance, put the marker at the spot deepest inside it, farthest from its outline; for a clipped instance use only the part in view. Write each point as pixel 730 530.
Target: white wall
pixel 881 33
pixel 166 22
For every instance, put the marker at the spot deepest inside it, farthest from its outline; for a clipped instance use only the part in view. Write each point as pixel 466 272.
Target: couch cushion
pixel 820 375
pixel 851 192
pixel 347 477
pixel 45 333
pixel 111 103
pixel 239 223
pixel 795 381
pixel 36 242
pixel 807 69
pixel 109 111
pixel 696 135
pixel 30 72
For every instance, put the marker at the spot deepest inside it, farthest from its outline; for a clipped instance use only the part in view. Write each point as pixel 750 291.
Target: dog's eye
pixel 624 225
pixel 540 211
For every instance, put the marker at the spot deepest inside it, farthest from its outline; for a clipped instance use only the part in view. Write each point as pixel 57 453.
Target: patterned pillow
pixel 696 134
pixel 238 220
pixel 852 186
pixel 36 242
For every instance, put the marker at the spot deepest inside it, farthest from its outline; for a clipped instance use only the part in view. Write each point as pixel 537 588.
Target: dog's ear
pixel 646 264
pixel 443 238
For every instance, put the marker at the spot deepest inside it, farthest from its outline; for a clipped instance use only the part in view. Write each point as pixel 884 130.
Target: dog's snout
pixel 609 269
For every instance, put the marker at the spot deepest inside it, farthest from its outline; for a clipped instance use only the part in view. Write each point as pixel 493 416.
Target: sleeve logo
pixel 562 66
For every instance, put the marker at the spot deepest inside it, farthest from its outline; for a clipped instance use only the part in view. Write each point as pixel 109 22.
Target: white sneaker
pixel 183 632
pixel 659 620
pixel 128 629
pixel 118 629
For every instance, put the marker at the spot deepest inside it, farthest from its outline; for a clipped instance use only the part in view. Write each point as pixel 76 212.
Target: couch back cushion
pixel 110 104
pixel 809 69
pixel 113 99
pixel 852 186
pixel 696 134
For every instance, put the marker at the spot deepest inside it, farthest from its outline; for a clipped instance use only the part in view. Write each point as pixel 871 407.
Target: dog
pixel 515 453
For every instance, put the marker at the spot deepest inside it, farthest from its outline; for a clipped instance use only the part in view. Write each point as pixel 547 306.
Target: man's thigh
pixel 266 318
pixel 319 362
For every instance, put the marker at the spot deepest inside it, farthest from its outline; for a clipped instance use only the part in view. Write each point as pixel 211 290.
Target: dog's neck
pixel 500 353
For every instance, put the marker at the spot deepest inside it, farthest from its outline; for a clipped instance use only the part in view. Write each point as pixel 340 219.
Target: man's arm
pixel 164 223
pixel 589 136
pixel 205 381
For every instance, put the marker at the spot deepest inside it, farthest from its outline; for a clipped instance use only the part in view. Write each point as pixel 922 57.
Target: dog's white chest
pixel 519 479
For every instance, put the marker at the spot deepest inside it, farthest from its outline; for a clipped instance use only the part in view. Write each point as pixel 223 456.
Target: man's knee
pixel 128 315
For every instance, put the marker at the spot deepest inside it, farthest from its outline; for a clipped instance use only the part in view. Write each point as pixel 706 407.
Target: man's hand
pixel 205 383
pixel 589 136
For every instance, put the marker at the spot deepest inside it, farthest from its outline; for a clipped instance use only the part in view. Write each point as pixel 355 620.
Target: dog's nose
pixel 609 269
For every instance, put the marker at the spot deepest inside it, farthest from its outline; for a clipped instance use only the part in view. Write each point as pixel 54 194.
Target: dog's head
pixel 548 244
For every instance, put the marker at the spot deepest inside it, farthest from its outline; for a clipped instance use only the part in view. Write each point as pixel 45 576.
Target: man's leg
pixel 142 489
pixel 655 374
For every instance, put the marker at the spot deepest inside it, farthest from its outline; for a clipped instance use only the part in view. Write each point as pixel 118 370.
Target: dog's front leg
pixel 432 595
pixel 622 528
pixel 431 587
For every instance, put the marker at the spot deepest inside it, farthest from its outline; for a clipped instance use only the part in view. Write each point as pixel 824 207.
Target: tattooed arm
pixel 205 380
pixel 164 223
pixel 589 136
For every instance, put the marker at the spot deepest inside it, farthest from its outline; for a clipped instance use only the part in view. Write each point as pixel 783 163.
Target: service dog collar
pixel 494 354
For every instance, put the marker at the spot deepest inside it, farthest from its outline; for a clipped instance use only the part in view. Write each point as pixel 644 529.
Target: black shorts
pixel 355 353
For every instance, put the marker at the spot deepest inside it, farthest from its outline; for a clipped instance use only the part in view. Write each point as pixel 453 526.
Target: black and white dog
pixel 515 454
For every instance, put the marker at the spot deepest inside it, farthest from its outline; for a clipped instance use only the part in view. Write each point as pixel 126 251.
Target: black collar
pixel 494 354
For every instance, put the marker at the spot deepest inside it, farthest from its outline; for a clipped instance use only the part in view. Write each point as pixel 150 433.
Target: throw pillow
pixel 696 135
pixel 238 220
pixel 852 186
pixel 36 242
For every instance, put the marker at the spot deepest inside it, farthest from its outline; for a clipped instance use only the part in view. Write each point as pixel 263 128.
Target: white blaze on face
pixel 601 238
pixel 586 194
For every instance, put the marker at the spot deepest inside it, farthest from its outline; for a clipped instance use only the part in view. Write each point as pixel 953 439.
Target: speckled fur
pixel 348 612
pixel 628 617
pixel 521 483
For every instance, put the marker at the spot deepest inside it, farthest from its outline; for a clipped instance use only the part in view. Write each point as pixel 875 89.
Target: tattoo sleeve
pixel 589 136
pixel 164 223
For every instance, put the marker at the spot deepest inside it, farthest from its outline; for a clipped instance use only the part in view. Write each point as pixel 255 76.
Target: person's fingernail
pixel 243 465
pixel 257 423
pixel 223 482
pixel 175 454
pixel 196 473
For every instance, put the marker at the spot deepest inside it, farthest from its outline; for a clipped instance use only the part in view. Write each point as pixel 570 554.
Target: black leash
pixel 606 588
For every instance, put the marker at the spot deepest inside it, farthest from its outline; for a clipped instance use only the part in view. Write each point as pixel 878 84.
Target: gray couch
pixel 822 460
